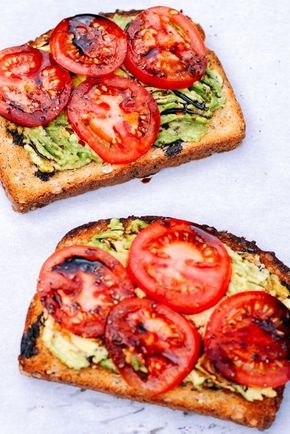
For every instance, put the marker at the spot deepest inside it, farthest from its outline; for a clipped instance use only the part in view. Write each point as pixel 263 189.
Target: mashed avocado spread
pixel 56 147
pixel 185 117
pixel 248 273
pixel 185 114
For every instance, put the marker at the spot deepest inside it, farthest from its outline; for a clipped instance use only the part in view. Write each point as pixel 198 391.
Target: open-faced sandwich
pixel 164 311
pixel 105 98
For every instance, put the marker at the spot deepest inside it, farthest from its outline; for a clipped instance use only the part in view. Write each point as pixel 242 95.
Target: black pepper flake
pixel 141 327
pixel 173 148
pixel 43 176
pixel 17 137
pixel 28 342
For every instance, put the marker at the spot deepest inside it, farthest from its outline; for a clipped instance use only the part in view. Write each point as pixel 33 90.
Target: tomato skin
pixel 167 342
pixel 82 48
pixel 33 88
pixel 78 285
pixel 161 56
pixel 247 339
pixel 166 261
pixel 104 118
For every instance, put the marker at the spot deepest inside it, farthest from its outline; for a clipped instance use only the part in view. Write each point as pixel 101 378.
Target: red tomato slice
pixel 178 263
pixel 165 49
pixel 79 285
pixel 88 44
pixel 33 89
pixel 153 347
pixel 248 339
pixel 117 117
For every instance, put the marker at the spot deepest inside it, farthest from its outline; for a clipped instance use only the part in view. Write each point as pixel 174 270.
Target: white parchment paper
pixel 245 191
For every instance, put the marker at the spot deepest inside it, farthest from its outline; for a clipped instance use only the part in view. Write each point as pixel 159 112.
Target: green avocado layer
pixel 248 273
pixel 56 147
pixel 185 114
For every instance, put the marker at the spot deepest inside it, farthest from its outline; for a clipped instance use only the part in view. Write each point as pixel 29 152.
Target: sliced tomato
pixel 117 117
pixel 79 285
pixel 89 44
pixel 248 339
pixel 153 347
pixel 181 265
pixel 165 49
pixel 33 89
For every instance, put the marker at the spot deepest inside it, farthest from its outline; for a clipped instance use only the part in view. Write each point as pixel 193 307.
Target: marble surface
pixel 245 191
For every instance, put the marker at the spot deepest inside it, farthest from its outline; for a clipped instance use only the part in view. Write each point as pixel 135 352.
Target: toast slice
pixel 37 361
pixel 27 191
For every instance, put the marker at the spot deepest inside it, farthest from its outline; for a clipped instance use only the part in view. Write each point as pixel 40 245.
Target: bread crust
pixel 27 192
pixel 36 360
